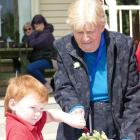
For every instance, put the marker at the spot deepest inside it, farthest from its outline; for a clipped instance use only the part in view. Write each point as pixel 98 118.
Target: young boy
pixel 25 112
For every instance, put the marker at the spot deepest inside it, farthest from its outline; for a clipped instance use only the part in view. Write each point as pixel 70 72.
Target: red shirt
pixel 138 57
pixel 18 129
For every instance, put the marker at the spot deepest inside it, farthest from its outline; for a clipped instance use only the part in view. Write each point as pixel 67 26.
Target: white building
pixel 55 11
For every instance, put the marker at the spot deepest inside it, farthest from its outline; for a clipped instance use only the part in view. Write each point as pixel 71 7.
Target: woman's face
pixel 39 27
pixel 88 39
pixel 28 30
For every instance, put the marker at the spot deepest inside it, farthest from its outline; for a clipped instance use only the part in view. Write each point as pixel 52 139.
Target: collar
pixel 73 49
pixel 18 119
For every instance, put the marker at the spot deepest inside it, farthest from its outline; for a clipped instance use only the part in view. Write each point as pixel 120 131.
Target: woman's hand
pixel 78 111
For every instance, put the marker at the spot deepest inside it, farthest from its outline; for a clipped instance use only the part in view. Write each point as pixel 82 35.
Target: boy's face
pixel 29 109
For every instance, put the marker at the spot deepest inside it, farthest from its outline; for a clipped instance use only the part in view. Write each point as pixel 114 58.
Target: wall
pixel 55 11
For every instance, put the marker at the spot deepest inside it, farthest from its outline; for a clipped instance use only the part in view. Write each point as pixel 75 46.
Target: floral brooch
pixel 76 65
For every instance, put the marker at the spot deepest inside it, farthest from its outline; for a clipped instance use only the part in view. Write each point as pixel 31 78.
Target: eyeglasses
pixel 27 29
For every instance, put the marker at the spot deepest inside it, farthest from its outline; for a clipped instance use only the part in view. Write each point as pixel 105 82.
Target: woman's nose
pixel 85 37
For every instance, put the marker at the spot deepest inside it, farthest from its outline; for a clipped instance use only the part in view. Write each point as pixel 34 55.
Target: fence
pixel 116 14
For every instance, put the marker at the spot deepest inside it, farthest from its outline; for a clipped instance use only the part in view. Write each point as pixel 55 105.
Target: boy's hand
pixel 76 121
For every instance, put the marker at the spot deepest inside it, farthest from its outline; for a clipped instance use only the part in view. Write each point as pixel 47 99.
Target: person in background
pixel 97 76
pixel 41 40
pixel 27 29
pixel 25 111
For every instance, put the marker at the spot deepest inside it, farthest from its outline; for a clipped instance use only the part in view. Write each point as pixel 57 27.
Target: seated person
pixel 41 40
pixel 27 29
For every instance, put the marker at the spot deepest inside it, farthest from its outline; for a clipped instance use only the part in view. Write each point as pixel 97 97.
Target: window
pixel 13 15
pixel 9 20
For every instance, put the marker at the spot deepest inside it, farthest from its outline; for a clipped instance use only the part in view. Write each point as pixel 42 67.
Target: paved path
pixel 49 131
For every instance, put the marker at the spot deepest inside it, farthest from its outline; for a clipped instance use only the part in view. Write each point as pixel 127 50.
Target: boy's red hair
pixel 21 86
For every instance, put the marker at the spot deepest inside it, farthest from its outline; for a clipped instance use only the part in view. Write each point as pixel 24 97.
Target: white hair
pixel 86 12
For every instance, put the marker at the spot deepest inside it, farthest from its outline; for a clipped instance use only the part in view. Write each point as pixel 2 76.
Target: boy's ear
pixel 12 104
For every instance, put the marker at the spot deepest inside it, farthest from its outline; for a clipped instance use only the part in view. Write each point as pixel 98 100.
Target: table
pixel 9 53
pixel 12 53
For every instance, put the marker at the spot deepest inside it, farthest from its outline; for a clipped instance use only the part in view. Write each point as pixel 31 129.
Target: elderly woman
pixel 97 75
pixel 27 29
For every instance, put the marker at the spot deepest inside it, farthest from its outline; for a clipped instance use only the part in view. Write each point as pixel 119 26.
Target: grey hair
pixel 27 24
pixel 86 12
